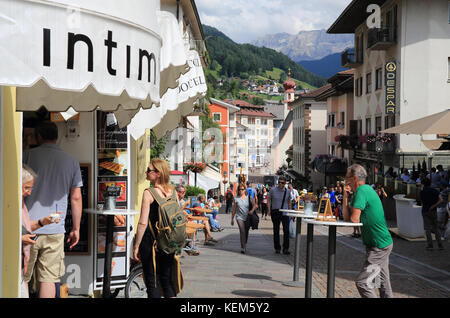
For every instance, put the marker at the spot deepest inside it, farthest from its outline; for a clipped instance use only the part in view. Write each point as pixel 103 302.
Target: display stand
pixel 325 214
pixel 110 215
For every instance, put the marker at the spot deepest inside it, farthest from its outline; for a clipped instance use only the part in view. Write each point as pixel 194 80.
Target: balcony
pixel 381 39
pixel 350 60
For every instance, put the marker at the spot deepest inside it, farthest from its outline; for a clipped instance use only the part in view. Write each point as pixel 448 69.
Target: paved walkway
pixel 222 271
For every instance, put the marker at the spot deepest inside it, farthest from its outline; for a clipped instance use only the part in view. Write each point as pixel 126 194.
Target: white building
pixel 412 48
pixel 309 135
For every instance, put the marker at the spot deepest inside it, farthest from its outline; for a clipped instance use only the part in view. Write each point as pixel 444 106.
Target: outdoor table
pixel 331 253
pixel 109 243
pixel 298 215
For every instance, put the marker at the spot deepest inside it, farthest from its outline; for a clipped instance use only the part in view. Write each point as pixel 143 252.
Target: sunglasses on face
pixel 151 170
pixel 281 182
pixel 241 189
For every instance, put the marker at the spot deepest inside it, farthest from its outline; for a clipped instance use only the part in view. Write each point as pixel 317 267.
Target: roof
pixel 231 108
pixel 354 15
pixel 247 109
pixel 316 92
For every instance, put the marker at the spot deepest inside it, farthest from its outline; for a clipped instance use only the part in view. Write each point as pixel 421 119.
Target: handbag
pixel 292 229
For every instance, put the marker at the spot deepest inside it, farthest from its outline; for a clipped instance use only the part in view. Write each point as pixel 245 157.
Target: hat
pixel 305 191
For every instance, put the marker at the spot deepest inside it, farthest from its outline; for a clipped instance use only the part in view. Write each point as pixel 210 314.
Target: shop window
pixel 368 125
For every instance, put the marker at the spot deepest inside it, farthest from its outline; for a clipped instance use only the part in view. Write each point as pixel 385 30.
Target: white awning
pixel 203 182
pixel 53 50
pixel 175 103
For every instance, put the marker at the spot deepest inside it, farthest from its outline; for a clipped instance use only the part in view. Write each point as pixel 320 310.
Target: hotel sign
pixel 391 87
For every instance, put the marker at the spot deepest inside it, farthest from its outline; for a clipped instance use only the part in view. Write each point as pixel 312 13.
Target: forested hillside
pixel 230 59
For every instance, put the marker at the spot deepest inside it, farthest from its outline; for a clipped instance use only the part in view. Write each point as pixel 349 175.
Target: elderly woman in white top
pixel 241 209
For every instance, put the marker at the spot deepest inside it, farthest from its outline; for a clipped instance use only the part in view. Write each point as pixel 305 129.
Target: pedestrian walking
pixel 59 177
pixel 430 201
pixel 442 214
pixel 367 208
pixel 244 205
pixel 157 280
pixel 279 198
pixel 229 198
pixel 264 201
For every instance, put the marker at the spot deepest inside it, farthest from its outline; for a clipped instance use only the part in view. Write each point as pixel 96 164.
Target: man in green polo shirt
pixel 366 208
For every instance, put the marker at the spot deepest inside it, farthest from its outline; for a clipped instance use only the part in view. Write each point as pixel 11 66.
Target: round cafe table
pixel 298 215
pixel 332 226
pixel 106 293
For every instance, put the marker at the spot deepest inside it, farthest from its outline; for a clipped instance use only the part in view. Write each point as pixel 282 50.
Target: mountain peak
pixel 306 45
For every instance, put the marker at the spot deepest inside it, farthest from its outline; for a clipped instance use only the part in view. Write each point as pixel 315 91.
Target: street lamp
pixel 325 162
pixel 400 152
pixel 195 146
pixel 430 155
pixel 379 150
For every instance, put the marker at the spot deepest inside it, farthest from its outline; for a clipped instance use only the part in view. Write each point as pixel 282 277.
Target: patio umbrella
pixel 437 124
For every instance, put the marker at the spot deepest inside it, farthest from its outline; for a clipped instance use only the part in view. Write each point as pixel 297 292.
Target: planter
pixel 409 217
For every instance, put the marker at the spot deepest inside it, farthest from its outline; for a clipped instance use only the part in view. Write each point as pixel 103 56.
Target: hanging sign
pixel 391 87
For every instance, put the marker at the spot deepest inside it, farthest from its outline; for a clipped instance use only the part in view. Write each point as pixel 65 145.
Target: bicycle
pixel 135 286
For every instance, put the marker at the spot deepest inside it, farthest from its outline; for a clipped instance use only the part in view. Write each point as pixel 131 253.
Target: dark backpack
pixel 229 196
pixel 171 225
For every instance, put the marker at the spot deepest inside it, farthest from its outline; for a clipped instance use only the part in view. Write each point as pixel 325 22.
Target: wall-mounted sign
pixel 391 87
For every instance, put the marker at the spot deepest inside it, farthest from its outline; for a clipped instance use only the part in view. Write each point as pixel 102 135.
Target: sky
pixel 246 20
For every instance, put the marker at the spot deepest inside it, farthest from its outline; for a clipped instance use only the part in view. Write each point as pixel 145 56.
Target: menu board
pixel 83 246
pixel 112 170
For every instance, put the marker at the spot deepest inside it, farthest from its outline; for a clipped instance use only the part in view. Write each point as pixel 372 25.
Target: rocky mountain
pixel 306 45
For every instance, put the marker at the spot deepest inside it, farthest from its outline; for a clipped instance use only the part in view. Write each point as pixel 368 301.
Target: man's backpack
pixel 171 226
pixel 229 196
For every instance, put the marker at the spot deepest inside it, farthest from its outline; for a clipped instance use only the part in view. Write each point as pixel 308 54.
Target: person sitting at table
pixel 367 208
pixel 201 203
pixel 209 240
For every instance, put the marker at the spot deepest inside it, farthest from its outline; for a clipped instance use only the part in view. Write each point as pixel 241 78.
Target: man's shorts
pixel 47 259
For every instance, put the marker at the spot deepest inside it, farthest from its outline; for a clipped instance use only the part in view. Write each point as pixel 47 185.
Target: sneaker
pixel 242 250
pixel 209 243
pixel 286 252
pixel 213 229
pixel 211 239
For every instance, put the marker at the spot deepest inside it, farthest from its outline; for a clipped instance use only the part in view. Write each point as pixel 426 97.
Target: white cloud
pixel 246 20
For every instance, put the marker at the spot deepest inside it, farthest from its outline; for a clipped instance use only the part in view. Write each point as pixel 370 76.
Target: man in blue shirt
pixel 332 198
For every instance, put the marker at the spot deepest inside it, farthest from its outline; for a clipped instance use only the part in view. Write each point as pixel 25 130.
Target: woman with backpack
pixel 157 265
pixel 243 206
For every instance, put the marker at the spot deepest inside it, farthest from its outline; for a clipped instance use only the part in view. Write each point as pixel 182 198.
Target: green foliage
pixel 192 191
pixel 158 146
pixel 246 58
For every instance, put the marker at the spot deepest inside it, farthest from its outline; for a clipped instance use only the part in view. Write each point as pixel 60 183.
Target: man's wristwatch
pixel 40 223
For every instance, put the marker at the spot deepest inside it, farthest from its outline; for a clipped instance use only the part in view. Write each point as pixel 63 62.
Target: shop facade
pixel 93 99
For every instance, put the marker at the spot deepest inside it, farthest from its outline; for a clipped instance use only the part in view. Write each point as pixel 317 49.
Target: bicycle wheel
pixel 135 287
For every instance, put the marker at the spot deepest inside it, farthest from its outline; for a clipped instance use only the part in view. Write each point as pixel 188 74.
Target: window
pixel 252 121
pixel 263 121
pixel 217 117
pixel 368 125
pixel 448 69
pixel 331 120
pixel 379 79
pixel 389 121
pixel 358 86
pixel 369 83
pixel 241 150
pixel 377 125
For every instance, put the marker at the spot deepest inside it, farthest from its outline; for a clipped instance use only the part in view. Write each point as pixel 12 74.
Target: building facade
pixel 309 135
pixel 401 74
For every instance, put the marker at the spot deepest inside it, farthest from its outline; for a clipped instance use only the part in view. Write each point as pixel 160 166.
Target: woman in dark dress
pixel 160 280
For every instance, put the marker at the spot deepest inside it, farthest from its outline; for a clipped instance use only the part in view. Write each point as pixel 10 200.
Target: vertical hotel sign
pixel 391 87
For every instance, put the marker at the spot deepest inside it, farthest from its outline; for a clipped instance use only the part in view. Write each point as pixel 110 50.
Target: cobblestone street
pixel 222 271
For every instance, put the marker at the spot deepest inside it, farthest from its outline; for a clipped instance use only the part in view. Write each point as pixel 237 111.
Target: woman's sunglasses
pixel 150 170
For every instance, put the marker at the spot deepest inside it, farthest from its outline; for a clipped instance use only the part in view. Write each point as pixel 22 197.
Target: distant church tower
pixel 289 89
